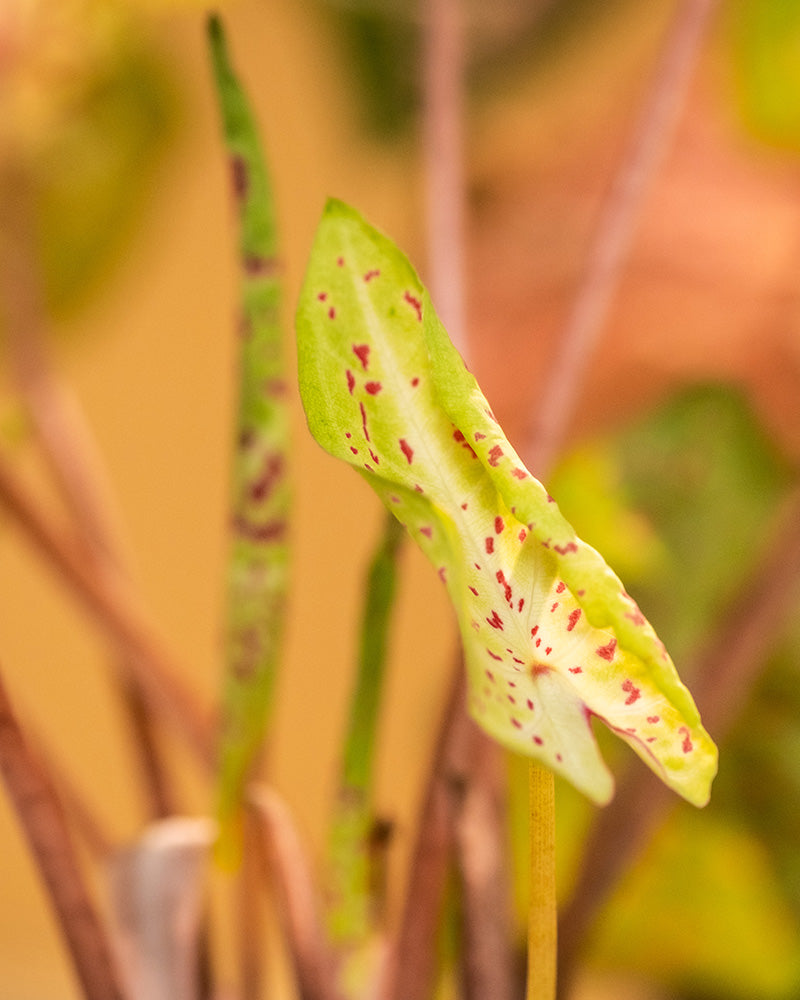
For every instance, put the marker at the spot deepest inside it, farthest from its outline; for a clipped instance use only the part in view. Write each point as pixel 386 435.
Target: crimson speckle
pixel 364 420
pixel 361 351
pixel 427 531
pixel 553 608
pixel 494 656
pixel 559 758
pixel 653 719
pixel 511 698
pixel 489 545
pixel 534 630
pixel 607 652
pixel 331 313
pixel 495 621
pixel 530 704
pixel 519 473
pixel 516 722
pixel 686 746
pixel 322 296
pixel 495 454
pixel 374 457
pixel 464 506
pixel 354 450
pixel 564 550
pixel 479 436
pixel 576 670
pixel 443 574
pixel 351 382
pixel 573 619
pixel 407 450
pixel 538 641
pixel 538 740
pixel 414 382
pixel 474 591
pixel 521 604
pixel 548 650
pixel 415 304
pixel 561 587
pixel 523 534
pixel 371 274
pixel 340 261
pixel 633 693
pixel 488 673
pixel 499 525
pixel 373 388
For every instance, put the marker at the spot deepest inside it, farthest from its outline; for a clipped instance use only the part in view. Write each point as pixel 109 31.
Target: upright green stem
pixel 542 916
pixel 353 891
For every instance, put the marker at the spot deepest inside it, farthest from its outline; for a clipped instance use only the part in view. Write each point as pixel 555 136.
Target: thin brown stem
pixel 614 235
pixel 287 867
pixel 486 953
pixel 724 673
pixel 44 826
pixel 109 600
pixel 64 438
pixel 413 962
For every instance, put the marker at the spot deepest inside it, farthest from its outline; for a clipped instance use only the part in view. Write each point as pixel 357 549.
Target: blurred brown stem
pixel 722 675
pixel 106 596
pixel 287 868
pixel 41 818
pixel 65 439
pixel 614 234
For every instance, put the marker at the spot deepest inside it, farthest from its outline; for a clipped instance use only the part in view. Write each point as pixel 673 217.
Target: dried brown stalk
pixel 64 438
pixel 614 235
pixel 40 815
pixel 288 869
pixel 108 598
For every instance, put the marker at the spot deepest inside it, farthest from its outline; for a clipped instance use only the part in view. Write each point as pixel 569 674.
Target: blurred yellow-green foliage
pixel 686 439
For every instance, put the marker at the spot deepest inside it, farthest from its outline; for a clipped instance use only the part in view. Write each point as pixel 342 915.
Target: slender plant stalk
pixel 354 896
pixel 110 601
pixel 66 444
pixel 43 823
pixel 542 919
pixel 287 867
pixel 614 235
pixel 260 500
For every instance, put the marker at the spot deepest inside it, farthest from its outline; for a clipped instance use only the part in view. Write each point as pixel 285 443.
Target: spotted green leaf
pixel 551 638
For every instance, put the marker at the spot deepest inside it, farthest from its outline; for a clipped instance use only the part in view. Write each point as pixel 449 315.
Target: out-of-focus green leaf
pixel 550 636
pixel 705 477
pixel 703 913
pixel 766 46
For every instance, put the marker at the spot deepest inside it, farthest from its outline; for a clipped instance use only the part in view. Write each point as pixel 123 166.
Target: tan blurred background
pixel 712 290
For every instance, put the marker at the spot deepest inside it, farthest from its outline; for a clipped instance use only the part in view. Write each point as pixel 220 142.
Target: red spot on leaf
pixel 538 740
pixel 354 450
pixel 495 621
pixel 407 450
pixel 443 574
pixel 564 550
pixel 414 382
pixel 519 473
pixel 511 698
pixel 523 534
pixel 633 693
pixel 521 604
pixel 373 388
pixel 340 261
pixel 548 650
pixel 364 420
pixel 499 525
pixel 534 630
pixel 576 670
pixel 474 591
pixel 489 544
pixel 653 719
pixel 516 722
pixel 464 506
pixel 607 652
pixel 501 579
pixel 495 454
pixel 415 304
pixel 488 673
pixel 553 608
pixel 687 745
pixel 494 656
pixel 427 531
pixel 530 704
pixel 572 621
pixel 322 296
pixel 479 436
pixel 361 351
pixel 371 274
pixel 331 313
pixel 561 587
pixel 351 382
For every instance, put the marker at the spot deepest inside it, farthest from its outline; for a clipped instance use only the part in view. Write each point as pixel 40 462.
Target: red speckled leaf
pixel 551 639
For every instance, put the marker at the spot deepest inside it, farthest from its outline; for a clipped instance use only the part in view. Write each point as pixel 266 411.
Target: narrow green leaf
pixel 550 636
pixel 258 561
pixel 353 905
